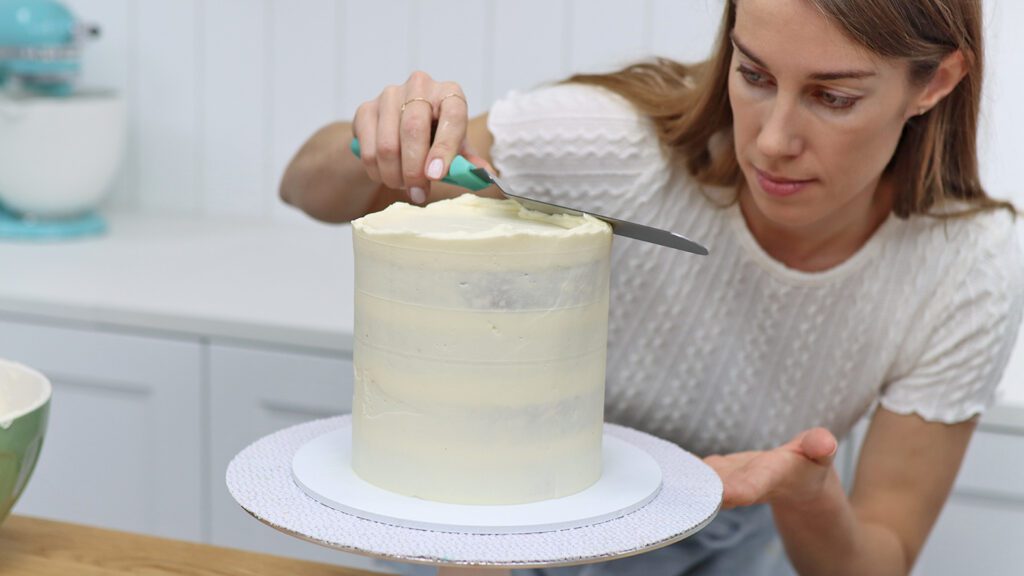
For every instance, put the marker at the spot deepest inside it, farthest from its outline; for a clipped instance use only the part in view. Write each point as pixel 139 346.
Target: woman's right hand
pixel 394 131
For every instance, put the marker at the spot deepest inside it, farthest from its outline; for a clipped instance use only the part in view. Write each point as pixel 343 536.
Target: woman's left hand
pixel 794 473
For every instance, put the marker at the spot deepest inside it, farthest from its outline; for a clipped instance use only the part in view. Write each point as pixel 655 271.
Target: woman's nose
pixel 779 136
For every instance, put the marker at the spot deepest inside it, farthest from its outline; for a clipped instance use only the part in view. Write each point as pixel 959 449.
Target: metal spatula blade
pixel 464 173
pixel 619 227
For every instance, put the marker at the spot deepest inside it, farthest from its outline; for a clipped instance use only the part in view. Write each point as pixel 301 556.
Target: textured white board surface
pixel 323 469
pixel 260 480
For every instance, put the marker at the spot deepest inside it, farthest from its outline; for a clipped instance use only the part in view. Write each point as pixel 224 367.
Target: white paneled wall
pixel 234 91
pixel 603 32
pixel 223 92
pixel 166 73
pixel 1002 124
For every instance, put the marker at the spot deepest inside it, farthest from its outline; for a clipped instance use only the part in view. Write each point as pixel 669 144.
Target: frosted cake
pixel 481 334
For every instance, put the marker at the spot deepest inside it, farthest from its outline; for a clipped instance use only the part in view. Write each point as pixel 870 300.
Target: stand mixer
pixel 60 146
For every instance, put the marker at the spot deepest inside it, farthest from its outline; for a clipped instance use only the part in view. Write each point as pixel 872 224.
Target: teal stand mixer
pixel 60 146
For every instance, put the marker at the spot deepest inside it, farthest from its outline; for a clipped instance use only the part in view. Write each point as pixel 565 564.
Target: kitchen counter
pixel 275 283
pixel 279 284
pixel 47 548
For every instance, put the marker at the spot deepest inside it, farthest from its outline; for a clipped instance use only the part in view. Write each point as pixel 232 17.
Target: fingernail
pixel 417 195
pixel 435 168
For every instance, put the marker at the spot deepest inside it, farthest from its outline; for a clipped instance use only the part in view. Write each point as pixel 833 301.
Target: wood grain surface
pixel 35 547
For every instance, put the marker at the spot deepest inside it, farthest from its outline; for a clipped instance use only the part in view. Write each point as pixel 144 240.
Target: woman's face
pixel 816 116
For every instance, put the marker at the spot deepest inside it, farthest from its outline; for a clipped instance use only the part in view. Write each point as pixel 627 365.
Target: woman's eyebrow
pixel 820 76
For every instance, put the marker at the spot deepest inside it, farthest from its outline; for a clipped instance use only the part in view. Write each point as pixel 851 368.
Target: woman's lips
pixel 779 186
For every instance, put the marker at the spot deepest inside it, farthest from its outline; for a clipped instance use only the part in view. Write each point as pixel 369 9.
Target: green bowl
pixel 24 410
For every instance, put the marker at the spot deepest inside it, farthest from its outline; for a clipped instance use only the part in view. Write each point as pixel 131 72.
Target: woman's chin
pixel 789 212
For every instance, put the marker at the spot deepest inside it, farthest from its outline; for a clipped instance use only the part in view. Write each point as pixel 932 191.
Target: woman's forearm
pixel 824 537
pixel 325 180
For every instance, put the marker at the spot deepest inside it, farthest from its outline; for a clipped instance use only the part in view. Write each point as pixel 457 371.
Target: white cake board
pixel 260 480
pixel 323 470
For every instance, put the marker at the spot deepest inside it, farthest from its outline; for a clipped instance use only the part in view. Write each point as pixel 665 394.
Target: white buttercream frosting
pixel 481 331
pixel 470 217
pixel 22 390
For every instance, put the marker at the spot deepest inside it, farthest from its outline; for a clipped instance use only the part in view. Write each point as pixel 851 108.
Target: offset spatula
pixel 466 175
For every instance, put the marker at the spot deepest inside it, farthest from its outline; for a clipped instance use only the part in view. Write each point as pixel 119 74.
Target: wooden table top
pixel 35 547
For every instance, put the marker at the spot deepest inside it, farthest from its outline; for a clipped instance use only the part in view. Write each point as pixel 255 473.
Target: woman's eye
pixel 837 101
pixel 753 77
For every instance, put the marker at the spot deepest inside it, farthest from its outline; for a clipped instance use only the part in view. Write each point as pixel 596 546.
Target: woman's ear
pixel 950 72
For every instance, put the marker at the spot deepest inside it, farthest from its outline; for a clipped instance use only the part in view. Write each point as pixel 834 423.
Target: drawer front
pixel 123 448
pixel 255 392
pixel 975 536
pixel 993 465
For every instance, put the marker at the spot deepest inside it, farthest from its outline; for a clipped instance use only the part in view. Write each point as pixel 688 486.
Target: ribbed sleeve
pixel 956 352
pixel 577 145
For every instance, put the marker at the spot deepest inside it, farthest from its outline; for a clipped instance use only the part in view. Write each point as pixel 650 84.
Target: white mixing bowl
pixel 58 156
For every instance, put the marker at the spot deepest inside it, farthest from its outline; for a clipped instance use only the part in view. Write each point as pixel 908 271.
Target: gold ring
pixel 449 95
pixel 417 99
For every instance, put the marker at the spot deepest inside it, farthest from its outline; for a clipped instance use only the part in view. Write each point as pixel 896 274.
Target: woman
pixel 826 155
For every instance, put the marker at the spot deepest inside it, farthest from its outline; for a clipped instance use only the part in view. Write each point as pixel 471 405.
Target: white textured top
pixel 470 217
pixel 735 350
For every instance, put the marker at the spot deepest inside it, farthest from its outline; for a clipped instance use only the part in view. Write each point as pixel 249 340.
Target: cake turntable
pixel 275 480
pixel 322 468
pixel 479 362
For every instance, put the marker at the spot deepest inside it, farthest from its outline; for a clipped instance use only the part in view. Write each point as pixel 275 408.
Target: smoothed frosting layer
pixel 470 217
pixel 481 337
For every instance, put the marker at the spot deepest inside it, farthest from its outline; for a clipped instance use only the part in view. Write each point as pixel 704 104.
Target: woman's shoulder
pixel 983 234
pixel 967 278
pixel 577 144
pixel 576 119
pixel 568 127
pixel 996 237
pixel 980 251
pixel 566 101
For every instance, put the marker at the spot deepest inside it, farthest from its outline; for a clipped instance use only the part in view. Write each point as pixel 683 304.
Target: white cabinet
pixel 975 535
pixel 981 529
pixel 143 426
pixel 254 392
pixel 124 443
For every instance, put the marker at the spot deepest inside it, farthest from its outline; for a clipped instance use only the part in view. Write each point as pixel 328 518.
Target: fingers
pixel 725 465
pixel 416 115
pixel 453 119
pixel 742 484
pixel 389 146
pixel 414 133
pixel 394 132
pixel 819 445
pixel 743 491
pixel 794 472
pixel 364 127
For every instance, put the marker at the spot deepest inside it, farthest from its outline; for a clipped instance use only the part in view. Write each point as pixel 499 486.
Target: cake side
pixel 480 352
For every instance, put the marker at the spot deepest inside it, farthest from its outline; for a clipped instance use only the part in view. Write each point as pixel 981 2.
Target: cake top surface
pixel 474 217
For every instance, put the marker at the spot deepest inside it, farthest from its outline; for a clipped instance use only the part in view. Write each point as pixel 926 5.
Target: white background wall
pixel 222 92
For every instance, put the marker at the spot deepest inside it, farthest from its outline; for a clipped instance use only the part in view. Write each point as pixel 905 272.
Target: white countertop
pixel 281 284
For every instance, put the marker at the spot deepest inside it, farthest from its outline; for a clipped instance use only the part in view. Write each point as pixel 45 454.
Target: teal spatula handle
pixel 458 173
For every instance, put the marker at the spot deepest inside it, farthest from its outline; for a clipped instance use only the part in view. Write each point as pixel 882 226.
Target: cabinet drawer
pixel 256 392
pixel 993 465
pixel 975 536
pixel 123 448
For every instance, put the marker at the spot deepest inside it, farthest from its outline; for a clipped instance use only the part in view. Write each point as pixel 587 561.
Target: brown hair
pixel 937 154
